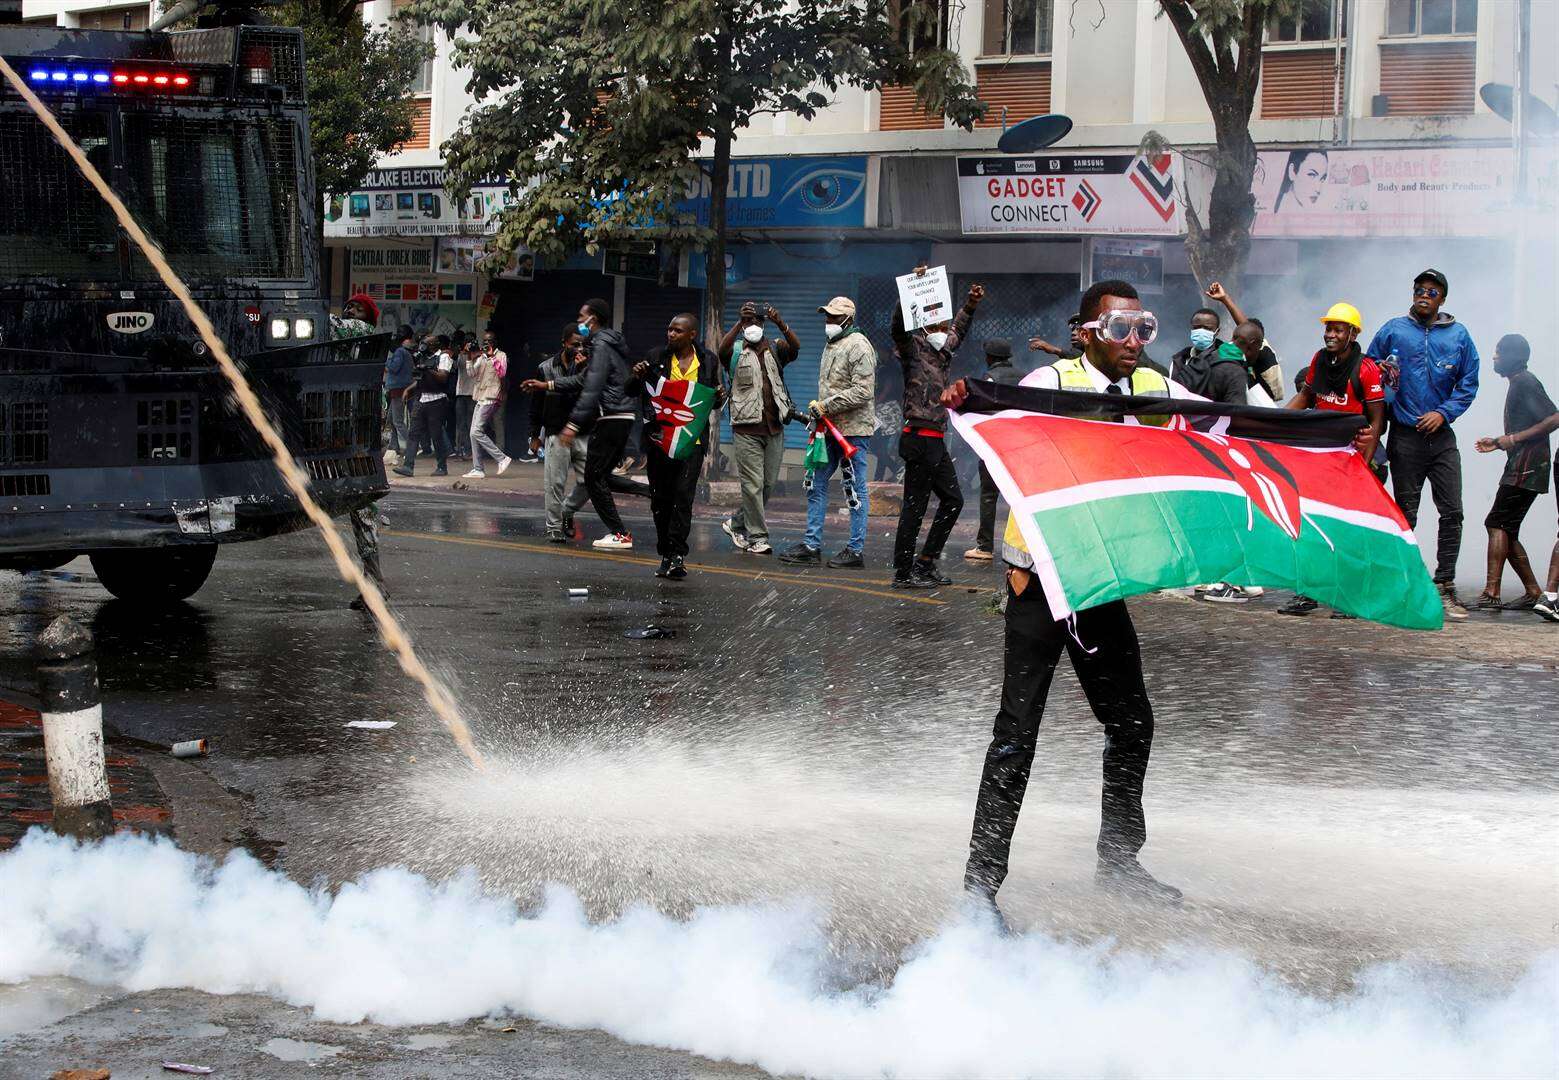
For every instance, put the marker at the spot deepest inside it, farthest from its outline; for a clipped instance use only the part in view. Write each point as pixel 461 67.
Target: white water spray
pixel 752 984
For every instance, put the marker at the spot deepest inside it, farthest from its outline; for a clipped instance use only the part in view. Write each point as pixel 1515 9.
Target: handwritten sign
pixel 925 298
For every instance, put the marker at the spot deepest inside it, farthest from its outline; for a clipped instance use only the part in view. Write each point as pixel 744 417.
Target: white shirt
pixel 445 363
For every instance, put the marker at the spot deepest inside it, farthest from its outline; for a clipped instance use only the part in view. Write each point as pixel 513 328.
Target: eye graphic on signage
pixel 826 190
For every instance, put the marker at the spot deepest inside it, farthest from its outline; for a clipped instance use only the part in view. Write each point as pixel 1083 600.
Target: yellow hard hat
pixel 1346 313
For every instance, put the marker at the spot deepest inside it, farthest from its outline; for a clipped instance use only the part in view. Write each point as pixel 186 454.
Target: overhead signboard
pixel 788 193
pixel 1140 262
pixel 413 202
pixel 634 260
pixel 1071 194
pixel 1451 191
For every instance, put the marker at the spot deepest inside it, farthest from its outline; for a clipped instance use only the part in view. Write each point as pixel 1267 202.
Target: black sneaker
pixel 401 470
pixel 847 559
pixel 556 536
pixel 568 526
pixel 801 555
pixel 678 569
pixel 1127 877
pixel 664 569
pixel 440 471
pixel 912 581
pixel 927 571
pixel 1299 605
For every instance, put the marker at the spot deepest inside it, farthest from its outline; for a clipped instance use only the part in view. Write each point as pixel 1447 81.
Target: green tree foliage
pixel 359 85
pixel 598 111
pixel 1223 40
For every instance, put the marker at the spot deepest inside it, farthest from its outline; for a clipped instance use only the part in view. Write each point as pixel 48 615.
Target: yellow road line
pixel 636 560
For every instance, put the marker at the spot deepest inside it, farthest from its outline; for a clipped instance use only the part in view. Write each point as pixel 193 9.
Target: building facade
pixel 1379 157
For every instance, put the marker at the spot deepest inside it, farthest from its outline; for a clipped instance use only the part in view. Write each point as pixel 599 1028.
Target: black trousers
pixel 1416 457
pixel 605 453
pixel 673 485
pixel 427 423
pixel 1111 677
pixel 985 539
pixel 928 467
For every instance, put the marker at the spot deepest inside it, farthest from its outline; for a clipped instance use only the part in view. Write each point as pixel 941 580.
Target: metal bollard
pixel 73 731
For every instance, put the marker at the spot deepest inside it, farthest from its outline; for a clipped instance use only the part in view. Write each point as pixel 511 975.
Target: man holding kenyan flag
pixel 1168 491
pixel 680 387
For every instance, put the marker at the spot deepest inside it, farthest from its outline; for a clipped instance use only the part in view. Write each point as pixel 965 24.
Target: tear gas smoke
pixel 750 984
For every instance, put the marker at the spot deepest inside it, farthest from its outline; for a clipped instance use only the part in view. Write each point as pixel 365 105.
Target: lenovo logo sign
pixel 131 322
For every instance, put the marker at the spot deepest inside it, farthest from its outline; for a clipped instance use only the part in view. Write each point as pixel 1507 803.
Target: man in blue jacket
pixel 1438 366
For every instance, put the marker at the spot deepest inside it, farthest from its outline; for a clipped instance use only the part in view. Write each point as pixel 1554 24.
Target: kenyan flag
pixel 682 409
pixel 1109 510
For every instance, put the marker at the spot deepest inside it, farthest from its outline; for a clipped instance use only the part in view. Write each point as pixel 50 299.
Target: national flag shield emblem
pixel 682 409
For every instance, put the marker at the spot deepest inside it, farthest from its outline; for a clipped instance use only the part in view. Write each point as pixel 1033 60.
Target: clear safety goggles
pixel 1120 326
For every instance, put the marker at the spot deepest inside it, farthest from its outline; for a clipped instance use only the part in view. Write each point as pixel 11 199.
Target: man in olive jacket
pixel 846 384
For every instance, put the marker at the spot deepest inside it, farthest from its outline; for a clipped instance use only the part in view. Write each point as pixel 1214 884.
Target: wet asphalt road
pixel 1329 794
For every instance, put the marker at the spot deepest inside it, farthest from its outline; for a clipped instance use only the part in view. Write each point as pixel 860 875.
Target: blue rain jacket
pixel 1439 366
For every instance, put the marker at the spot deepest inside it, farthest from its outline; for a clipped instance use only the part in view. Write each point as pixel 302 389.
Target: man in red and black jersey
pixel 1342 379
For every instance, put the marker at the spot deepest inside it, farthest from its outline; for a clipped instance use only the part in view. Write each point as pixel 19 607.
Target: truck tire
pixel 155 575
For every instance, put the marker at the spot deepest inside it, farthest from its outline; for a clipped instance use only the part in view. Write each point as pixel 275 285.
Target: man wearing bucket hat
pixel 846 383
pixel 1437 381
pixel 1342 379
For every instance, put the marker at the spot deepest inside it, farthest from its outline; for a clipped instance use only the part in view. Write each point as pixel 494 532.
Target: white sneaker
pixel 474 474
pixel 759 547
pixel 1224 593
pixel 737 538
pixel 1254 591
pixel 503 466
pixel 614 542
pixel 976 554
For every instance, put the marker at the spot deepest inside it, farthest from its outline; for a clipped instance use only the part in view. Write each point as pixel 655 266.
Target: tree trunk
pixel 714 274
pixel 1218 249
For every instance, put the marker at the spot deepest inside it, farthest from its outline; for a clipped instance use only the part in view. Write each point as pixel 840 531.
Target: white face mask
pixel 937 339
pixel 833 330
pixel 752 334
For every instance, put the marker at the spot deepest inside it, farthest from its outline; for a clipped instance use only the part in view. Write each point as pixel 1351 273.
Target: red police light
pixel 181 80
pixel 140 80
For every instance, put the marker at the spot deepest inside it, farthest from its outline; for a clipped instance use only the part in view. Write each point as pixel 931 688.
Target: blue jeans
pixel 817 498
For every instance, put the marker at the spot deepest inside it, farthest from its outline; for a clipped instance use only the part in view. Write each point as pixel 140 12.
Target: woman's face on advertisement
pixel 1308 179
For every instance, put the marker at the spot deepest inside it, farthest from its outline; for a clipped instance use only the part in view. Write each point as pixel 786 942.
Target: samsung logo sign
pixel 131 322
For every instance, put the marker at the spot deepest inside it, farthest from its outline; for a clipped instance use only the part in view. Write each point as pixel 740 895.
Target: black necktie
pixel 1116 390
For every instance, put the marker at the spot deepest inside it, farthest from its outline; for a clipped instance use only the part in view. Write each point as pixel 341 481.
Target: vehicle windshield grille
pixel 52 224
pixel 220 196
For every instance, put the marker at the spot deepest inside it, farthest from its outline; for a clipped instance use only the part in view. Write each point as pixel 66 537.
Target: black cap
pixel 1434 276
pixel 1074 320
pixel 999 347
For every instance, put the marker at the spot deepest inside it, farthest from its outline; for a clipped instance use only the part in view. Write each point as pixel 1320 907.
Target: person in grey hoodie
pixel 608 402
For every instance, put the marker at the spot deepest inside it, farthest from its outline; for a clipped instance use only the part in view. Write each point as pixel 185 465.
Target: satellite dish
pixel 1501 98
pixel 1034 134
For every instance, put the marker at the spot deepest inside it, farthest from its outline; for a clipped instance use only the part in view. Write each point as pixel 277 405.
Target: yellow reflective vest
pixel 1145 382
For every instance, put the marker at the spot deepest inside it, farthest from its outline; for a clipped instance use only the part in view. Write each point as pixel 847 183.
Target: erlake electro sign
pixel 1060 193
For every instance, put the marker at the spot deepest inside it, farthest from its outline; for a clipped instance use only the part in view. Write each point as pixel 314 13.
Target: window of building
pixel 1416 18
pixel 1316 20
pixel 424 81
pixel 1019 27
pixel 923 25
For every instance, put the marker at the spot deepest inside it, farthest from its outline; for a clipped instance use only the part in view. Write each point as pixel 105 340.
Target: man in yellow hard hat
pixel 1342 379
